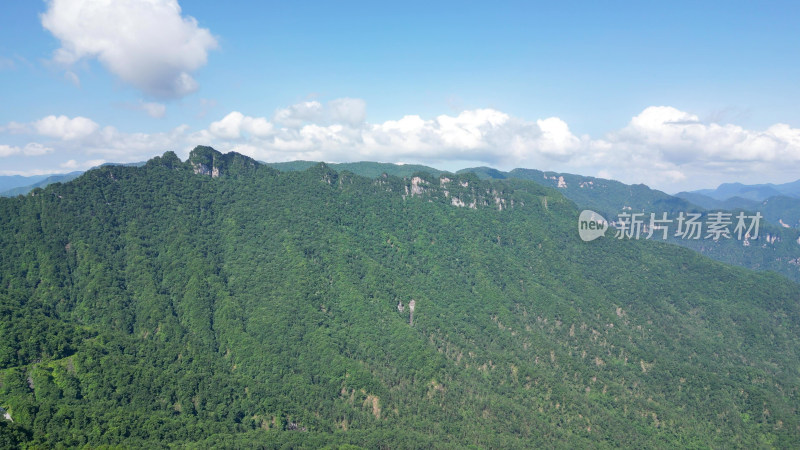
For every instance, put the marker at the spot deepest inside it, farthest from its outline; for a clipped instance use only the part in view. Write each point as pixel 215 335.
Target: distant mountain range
pixel 11 181
pixel 16 185
pixel 756 192
pixel 13 185
pixel 779 203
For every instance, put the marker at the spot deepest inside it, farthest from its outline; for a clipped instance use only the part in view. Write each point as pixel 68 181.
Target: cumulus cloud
pixel 30 149
pixel 236 124
pixel 63 127
pixel 146 43
pixel 351 111
pixel 83 136
pixel 298 114
pixel 8 150
pixel 680 137
pixel 75 165
pixel 346 111
pixel 36 149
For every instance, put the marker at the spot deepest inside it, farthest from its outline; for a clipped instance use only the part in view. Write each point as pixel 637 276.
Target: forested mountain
pixel 608 197
pixel 367 169
pixel 219 302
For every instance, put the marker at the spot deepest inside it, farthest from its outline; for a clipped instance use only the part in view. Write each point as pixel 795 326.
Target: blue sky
pixel 677 95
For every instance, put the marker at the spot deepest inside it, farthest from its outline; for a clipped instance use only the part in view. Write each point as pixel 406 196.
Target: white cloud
pixel 36 149
pixel 75 165
pixel 235 124
pixel 680 137
pixel 118 146
pixel 556 138
pixel 30 149
pixel 351 111
pixel 146 43
pixel 8 150
pixel 63 127
pixel 296 115
pixel 15 128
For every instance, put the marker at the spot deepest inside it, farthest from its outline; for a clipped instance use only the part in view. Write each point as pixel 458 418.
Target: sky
pixel 675 95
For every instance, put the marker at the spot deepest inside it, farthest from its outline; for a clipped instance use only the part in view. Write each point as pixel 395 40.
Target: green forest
pixel 221 302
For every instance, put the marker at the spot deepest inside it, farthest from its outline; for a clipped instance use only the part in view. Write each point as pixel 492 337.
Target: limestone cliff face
pixel 463 190
pixel 207 161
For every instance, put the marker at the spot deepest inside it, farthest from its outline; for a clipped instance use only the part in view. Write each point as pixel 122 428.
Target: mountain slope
pixel 777 248
pixel 608 197
pixel 219 302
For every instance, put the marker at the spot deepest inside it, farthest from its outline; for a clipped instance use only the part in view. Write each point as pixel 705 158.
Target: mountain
pixel 777 249
pixel 607 197
pixel 21 187
pixel 24 189
pixel 219 302
pixel 12 181
pixel 750 192
pixel 707 202
pixel 780 209
pixel 756 192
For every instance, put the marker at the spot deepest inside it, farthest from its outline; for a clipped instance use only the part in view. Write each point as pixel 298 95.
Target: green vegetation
pixel 364 168
pixel 777 249
pixel 219 302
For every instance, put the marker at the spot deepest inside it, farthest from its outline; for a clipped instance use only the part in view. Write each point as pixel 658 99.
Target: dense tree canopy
pixel 220 302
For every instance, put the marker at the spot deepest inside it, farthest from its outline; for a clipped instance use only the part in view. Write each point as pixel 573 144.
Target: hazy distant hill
pixel 43 181
pixel 218 302
pixel 12 181
pixel 752 191
pixel 780 209
pixel 22 190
